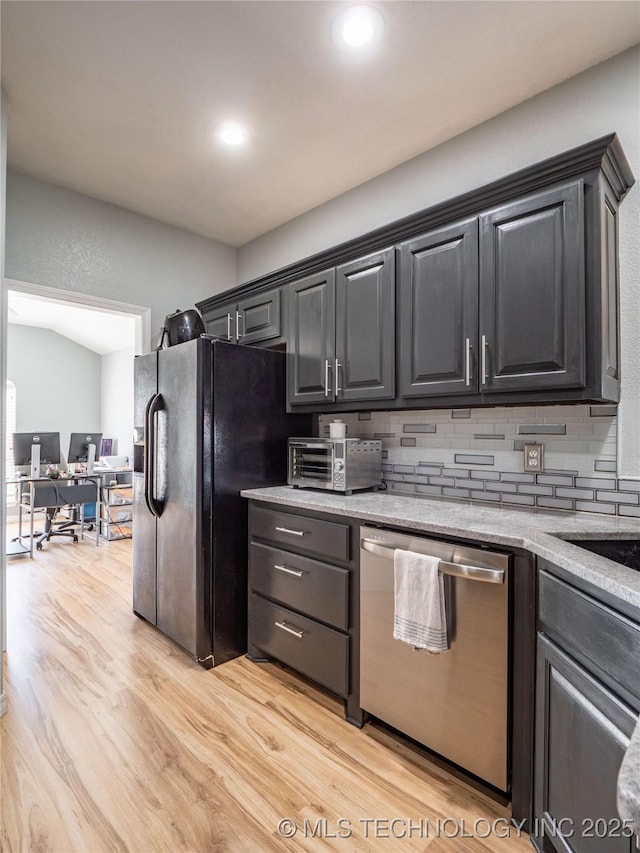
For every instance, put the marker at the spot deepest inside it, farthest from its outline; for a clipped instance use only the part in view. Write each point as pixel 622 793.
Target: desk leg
pixel 31 500
pixel 97 513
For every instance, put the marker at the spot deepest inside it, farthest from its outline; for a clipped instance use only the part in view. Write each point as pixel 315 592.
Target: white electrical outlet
pixel 533 457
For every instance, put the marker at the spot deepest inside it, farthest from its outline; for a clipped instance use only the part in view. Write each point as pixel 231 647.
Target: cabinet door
pixel 365 328
pixel 221 323
pixel 439 312
pixel 310 359
pixel 582 733
pixel 258 318
pixel 532 292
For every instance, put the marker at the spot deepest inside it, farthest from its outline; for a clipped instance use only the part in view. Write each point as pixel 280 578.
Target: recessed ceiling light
pixel 358 26
pixel 232 134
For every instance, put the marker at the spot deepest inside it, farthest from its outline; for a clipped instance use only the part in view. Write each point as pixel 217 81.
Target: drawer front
pixel 324 538
pixel 316 589
pixel 602 639
pixel 313 649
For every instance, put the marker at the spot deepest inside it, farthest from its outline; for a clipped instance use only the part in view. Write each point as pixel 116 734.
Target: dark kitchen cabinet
pixel 342 333
pixel 249 321
pixel 439 311
pixel 587 703
pixel 532 292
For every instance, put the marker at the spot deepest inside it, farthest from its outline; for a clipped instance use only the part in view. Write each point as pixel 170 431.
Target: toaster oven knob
pixel 339 466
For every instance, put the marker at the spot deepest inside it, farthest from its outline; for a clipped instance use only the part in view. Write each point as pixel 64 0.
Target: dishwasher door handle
pixel 454 570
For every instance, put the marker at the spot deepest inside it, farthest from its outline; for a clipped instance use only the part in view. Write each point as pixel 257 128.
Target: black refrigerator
pixel 210 420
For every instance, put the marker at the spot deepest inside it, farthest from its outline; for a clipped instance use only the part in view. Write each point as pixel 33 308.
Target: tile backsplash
pixel 477 454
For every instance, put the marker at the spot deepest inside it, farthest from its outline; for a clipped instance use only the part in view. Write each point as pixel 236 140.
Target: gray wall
pixel 597 102
pixel 59 238
pixel 57 383
pixel 117 400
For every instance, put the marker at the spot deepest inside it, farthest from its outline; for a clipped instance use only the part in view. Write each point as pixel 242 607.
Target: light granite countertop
pixel 541 532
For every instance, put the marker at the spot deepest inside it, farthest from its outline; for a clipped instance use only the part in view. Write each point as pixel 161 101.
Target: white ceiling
pixel 96 330
pixel 119 100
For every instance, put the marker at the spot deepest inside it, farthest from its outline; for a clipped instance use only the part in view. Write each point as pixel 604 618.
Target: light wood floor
pixel 115 741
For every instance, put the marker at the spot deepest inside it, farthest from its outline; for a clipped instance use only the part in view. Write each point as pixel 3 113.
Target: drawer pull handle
pixel 287 570
pixel 283 627
pixel 292 532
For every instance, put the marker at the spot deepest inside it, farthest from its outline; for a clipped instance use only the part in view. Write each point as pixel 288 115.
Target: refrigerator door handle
pixel 155 404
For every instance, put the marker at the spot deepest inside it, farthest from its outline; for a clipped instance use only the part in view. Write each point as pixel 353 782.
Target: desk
pixel 43 493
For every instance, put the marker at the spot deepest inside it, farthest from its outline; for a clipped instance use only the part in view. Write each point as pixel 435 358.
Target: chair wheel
pixel 75 538
pixel 39 546
pixel 90 528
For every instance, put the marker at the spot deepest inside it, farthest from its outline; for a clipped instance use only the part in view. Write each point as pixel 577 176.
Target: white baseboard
pixel 3 703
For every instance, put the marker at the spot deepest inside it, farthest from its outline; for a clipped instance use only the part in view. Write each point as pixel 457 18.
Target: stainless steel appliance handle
pixel 238 334
pixel 229 326
pixel 327 387
pixel 336 378
pixel 483 359
pixel 292 532
pixel 283 627
pixel 287 570
pixel 155 405
pixel 467 361
pixel 455 570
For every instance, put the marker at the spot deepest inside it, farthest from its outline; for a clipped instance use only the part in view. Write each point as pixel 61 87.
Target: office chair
pixel 65 528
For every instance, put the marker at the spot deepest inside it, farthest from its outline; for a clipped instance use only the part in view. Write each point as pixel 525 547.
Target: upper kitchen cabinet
pixel 532 293
pixel 342 333
pixel 248 321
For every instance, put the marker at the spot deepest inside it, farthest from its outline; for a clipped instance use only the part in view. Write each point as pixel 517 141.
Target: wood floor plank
pixel 116 741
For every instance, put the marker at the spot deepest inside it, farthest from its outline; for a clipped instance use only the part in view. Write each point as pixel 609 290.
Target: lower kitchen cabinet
pixel 587 703
pixel 303 609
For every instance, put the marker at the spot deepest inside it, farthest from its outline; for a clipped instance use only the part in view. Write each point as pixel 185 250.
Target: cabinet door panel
pixel 221 323
pixel 582 732
pixel 532 292
pixel 259 317
pixel 365 328
pixel 310 359
pixel 439 311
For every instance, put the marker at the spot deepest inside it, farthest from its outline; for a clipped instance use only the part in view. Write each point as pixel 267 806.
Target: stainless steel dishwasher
pixel 455 703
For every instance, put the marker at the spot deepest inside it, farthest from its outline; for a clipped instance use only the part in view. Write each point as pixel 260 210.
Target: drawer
pixel 325 538
pixel 313 649
pixel 317 589
pixel 605 641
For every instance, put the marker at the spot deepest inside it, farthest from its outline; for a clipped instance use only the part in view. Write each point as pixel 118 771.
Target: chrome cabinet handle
pixel 467 361
pixel 338 366
pixel 287 570
pixel 283 627
pixel 327 389
pixel 238 333
pixel 228 327
pixel 483 359
pixel 292 532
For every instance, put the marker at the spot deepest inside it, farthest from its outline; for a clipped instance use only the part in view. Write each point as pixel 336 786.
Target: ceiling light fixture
pixel 232 134
pixel 358 26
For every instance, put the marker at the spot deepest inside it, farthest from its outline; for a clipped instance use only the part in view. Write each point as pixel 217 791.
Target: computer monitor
pixel 79 446
pixel 49 443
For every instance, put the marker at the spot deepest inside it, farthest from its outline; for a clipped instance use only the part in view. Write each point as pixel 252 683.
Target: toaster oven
pixel 338 464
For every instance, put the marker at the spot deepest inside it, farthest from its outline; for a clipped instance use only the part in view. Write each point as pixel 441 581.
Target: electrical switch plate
pixel 533 457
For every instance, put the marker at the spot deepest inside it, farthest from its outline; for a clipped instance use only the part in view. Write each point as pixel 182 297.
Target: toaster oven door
pixel 311 464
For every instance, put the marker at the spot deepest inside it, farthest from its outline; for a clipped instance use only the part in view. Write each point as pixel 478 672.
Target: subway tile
pixel 429 490
pixel 432 464
pixel 416 478
pixel 491 436
pixel 500 487
pixel 554 503
pixel 461 413
pixel 629 510
pixel 428 469
pixel 628 485
pixel 579 494
pixel 554 480
pixel 391 477
pixel 384 435
pixel 407 442
pixel 535 490
pixel 485 475
pixel 385 454
pixel 586 506
pixel 387 467
pixel 405 488
pixel 519 443
pixel 364 416
pixel 485 496
pixel 442 481
pixel 595 483
pixel 511 477
pixel 605 465
pixel 619 497
pixel 455 472
pixel 603 411
pixel 542 429
pixel 523 500
pixel 473 459
pixel 467 484
pixel 404 469
pixel 419 428
pixel 562 471
pixel 455 493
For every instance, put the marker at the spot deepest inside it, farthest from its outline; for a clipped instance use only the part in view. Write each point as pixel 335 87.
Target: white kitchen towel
pixel 420 616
